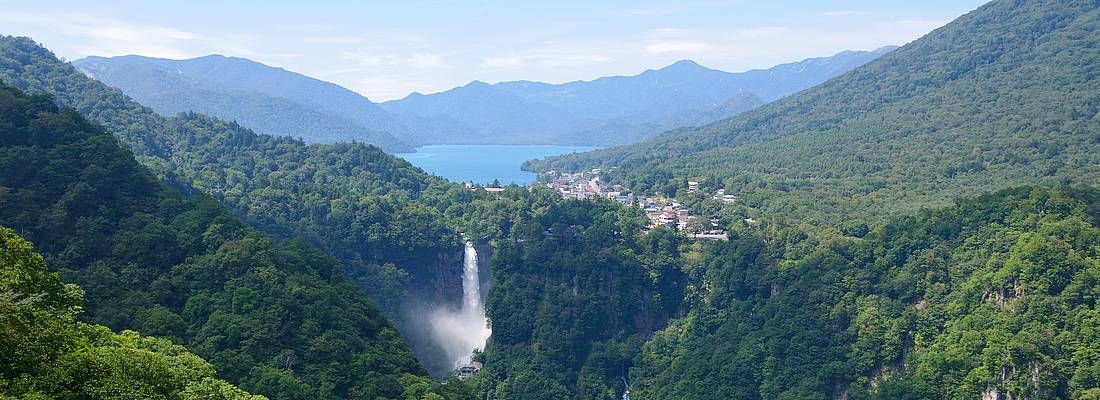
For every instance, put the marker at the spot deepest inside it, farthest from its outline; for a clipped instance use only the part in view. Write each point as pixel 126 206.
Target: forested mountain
pixel 984 285
pixel 391 226
pixel 1004 95
pixel 577 289
pixel 610 110
pixel 267 99
pixel 995 297
pixel 46 353
pixel 275 318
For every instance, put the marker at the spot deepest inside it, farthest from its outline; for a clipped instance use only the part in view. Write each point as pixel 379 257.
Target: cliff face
pixel 485 253
pixel 435 283
pixel 439 283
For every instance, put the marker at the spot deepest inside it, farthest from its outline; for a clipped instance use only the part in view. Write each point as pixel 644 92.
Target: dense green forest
pixel 576 291
pixel 1004 95
pixel 922 227
pixel 390 225
pixel 46 353
pixel 995 294
pixel 278 319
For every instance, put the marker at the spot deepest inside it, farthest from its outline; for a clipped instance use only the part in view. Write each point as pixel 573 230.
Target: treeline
pixel 275 318
pixel 387 223
pixel 997 294
pixel 46 353
pixel 1003 96
pixel 575 293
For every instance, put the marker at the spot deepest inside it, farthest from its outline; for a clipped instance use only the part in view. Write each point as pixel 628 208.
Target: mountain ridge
pixel 269 99
pixel 613 109
pixel 947 112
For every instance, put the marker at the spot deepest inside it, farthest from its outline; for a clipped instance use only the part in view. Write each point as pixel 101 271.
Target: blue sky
pixel 386 50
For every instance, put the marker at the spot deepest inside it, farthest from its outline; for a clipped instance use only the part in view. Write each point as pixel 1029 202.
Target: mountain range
pixel 1003 94
pixel 925 226
pixel 605 111
pixel 609 110
pixel 270 100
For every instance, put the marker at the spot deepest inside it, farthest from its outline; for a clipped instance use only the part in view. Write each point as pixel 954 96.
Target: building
pixel 468 371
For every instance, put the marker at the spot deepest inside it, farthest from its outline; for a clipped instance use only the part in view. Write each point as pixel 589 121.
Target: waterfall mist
pixel 460 332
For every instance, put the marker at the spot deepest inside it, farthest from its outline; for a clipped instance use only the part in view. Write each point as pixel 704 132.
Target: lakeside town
pixel 660 210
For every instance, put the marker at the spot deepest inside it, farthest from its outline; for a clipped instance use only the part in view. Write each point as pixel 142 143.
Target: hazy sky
pixel 386 50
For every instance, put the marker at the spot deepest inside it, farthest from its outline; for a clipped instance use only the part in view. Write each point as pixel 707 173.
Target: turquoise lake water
pixel 482 164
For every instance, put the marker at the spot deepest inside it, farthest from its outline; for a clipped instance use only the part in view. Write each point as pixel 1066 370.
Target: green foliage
pixel 576 287
pixel 389 224
pixel 46 353
pixel 995 293
pixel 276 318
pixel 998 292
pixel 1003 96
pixel 354 201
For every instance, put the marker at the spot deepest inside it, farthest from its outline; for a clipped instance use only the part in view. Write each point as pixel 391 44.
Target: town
pixel 661 211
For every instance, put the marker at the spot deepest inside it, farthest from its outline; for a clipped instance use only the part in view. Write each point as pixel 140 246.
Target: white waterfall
pixel 460 332
pixel 471 282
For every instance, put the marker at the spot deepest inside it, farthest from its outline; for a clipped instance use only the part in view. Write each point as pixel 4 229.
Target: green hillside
pixel 389 224
pixel 277 319
pixel 924 227
pixel 995 295
pixel 45 353
pixel 1005 95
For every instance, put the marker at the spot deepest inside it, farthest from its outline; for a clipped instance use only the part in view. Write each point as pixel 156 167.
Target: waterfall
pixel 471 282
pixel 460 332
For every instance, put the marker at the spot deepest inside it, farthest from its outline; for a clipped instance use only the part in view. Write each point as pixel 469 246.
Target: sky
pixel 388 49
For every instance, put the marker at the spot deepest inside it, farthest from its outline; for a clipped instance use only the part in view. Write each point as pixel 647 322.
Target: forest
pixel 1003 95
pixel 276 317
pixel 47 353
pixel 925 227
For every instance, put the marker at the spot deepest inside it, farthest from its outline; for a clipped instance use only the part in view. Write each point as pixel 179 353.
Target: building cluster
pixel 468 370
pixel 661 211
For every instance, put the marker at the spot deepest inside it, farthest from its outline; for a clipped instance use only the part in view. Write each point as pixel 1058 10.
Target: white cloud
pixel 645 12
pixel 86 34
pixel 503 62
pixel 841 13
pixel 675 47
pixel 550 56
pixel 670 32
pixel 415 60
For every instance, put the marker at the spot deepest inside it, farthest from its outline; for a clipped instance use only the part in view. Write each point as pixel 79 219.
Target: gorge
pixel 460 332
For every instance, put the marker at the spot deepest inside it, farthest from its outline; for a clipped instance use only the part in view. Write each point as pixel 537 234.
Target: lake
pixel 483 163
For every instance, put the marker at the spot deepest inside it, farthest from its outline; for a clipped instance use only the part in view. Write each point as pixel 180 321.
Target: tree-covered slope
pixel 610 110
pixel 996 295
pixel 269 100
pixel 1004 95
pixel 46 353
pixel 277 319
pixel 392 226
pixel 576 291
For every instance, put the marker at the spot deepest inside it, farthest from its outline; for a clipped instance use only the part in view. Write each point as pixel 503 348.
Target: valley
pixel 911 222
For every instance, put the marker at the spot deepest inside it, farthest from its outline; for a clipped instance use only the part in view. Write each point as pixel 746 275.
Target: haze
pixel 386 50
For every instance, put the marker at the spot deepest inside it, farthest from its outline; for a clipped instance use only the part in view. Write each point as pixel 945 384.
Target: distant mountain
pixel 1006 95
pixel 270 100
pixel 610 110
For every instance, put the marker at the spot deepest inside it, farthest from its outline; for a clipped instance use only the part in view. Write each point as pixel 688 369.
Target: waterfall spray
pixel 460 332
